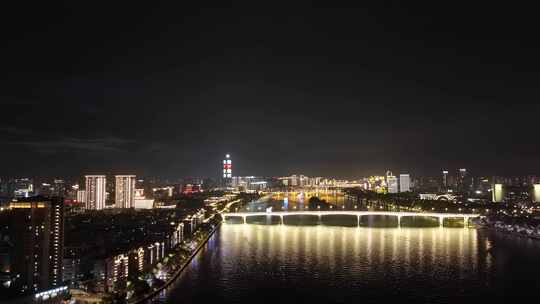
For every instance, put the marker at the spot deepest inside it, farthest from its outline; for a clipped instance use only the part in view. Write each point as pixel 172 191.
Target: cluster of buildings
pixel 305 181
pixel 94 196
pixel 380 184
pixel 113 267
pixel 42 250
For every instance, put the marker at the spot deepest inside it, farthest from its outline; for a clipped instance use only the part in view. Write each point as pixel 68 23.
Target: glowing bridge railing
pixel 281 214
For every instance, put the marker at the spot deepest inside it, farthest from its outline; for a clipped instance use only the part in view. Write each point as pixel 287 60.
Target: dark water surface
pixel 244 263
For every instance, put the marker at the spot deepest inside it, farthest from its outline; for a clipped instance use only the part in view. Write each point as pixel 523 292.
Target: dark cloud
pixel 342 91
pixel 76 145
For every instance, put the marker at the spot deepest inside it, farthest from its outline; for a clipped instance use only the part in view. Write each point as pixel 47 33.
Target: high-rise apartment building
pixel 392 183
pixel 96 193
pixel 81 196
pixel 37 232
pixel 404 183
pixel 125 191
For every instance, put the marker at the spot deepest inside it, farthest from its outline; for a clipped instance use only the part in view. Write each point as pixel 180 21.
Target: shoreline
pixel 177 273
pixel 512 233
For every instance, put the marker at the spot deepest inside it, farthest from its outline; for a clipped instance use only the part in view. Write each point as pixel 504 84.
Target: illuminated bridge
pixel 358 214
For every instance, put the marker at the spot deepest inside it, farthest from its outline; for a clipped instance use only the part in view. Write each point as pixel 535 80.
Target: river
pixel 246 263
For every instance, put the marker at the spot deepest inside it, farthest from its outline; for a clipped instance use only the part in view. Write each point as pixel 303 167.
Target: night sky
pixel 323 91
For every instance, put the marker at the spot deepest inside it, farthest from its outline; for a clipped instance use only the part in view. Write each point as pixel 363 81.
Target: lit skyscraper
pixel 445 180
pixel 95 192
pixel 497 193
pixel 461 179
pixel 227 170
pixel 227 167
pixel 125 191
pixel 81 196
pixel 404 183
pixel 37 230
pixel 392 184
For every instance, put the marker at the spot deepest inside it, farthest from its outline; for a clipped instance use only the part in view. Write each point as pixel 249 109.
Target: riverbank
pixel 179 271
pixel 515 229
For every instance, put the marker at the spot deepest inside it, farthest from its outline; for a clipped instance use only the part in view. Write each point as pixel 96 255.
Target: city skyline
pixel 307 152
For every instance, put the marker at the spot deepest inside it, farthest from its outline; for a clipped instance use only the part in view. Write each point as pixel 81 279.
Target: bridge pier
pixel 358 220
pixel 319 222
pixel 465 222
pixel 399 221
pixel 244 217
pixel 281 220
pixel 441 221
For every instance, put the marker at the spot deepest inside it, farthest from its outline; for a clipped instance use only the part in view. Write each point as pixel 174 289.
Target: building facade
pixel 404 183
pixel 37 232
pixel 125 191
pixel 96 193
pixel 392 184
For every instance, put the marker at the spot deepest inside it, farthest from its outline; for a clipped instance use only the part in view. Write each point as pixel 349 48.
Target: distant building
pixel 497 193
pixel 392 184
pixel 536 193
pixel 125 191
pixel 96 194
pixel 445 180
pixel 227 170
pixel 462 185
pixel 404 183
pixel 139 193
pixel 23 187
pixel 252 183
pixel 81 196
pixel 37 232
pixel 143 203
pixel 59 188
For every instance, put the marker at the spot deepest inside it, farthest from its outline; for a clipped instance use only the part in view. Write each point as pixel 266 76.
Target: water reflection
pixel 321 264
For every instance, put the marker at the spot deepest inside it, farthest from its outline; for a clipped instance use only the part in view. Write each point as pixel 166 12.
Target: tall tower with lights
pixel 227 170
